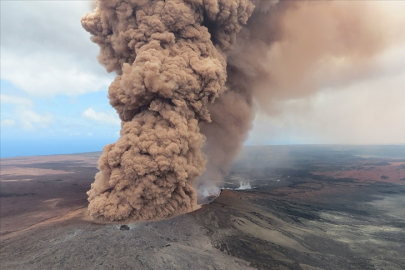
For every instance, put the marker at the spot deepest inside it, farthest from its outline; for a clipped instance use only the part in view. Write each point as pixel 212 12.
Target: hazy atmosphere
pixel 202 134
pixel 54 93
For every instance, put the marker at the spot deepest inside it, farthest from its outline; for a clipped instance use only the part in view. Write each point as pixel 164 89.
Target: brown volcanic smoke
pixel 169 71
pixel 182 87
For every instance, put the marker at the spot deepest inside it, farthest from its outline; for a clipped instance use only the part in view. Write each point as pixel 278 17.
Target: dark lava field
pixel 309 207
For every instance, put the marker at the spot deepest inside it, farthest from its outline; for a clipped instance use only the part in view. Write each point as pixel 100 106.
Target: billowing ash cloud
pixel 169 71
pixel 290 50
pixel 189 75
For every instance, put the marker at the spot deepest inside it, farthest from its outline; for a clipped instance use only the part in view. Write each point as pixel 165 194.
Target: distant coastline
pixel 94 147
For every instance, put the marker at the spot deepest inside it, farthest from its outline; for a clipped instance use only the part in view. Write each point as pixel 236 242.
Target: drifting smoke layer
pixel 169 71
pixel 289 50
pixel 174 58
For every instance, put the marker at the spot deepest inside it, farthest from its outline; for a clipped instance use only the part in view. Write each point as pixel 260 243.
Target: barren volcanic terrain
pixel 309 207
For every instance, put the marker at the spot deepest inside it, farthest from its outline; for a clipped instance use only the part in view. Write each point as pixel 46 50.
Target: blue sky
pixel 54 92
pixel 57 125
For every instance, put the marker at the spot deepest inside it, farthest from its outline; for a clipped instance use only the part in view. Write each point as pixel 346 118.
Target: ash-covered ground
pixel 309 207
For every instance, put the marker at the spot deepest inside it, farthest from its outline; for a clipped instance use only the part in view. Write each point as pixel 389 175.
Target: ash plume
pixel 190 76
pixel 290 50
pixel 169 71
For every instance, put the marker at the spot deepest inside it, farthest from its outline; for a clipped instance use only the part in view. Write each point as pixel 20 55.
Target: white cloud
pixel 15 100
pixel 27 117
pixel 31 120
pixel 8 122
pixel 45 51
pixel 49 74
pixel 110 118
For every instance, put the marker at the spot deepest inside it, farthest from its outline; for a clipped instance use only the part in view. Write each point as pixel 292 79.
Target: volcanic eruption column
pixel 181 89
pixel 168 70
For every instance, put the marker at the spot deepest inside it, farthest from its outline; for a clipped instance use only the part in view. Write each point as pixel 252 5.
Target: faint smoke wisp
pixel 243 185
